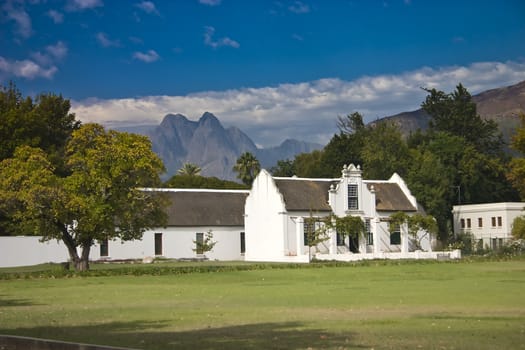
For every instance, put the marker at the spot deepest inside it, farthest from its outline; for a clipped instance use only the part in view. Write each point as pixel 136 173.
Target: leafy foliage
pixel 99 199
pixel 342 149
pixel 283 168
pixel 416 223
pixel 350 226
pixel 44 122
pixel 206 245
pixel 351 124
pixel 310 164
pixel 518 227
pixel 189 181
pixel 384 152
pixel 516 174
pixel 455 113
pixel 316 231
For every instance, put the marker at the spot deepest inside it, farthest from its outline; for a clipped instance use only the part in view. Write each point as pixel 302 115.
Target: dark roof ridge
pixel 203 190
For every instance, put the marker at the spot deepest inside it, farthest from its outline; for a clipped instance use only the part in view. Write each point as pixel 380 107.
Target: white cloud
pixel 41 65
pixel 299 7
pixel 81 5
pixel 209 41
pixel 103 40
pixel 308 110
pixel 56 16
pixel 52 54
pixel 57 51
pixel 23 27
pixel 148 57
pixel 27 69
pixel 148 7
pixel 210 2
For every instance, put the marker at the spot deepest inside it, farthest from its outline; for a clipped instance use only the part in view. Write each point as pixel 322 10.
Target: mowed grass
pixel 479 305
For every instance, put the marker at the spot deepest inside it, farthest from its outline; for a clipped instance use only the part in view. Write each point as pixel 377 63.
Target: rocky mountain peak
pixel 214 149
pixel 209 119
pixel 171 119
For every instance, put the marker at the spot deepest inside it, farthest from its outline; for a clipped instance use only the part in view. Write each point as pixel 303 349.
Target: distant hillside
pixel 502 105
pixel 209 145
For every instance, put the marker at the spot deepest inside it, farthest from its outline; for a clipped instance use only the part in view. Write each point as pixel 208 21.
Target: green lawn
pixel 466 305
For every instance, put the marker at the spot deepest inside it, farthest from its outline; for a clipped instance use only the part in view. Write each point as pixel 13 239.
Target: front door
pixel 353 244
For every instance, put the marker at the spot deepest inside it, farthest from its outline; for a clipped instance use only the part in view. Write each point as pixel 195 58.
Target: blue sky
pixel 276 69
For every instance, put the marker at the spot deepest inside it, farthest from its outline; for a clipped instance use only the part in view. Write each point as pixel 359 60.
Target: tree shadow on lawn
pixel 14 302
pixel 138 334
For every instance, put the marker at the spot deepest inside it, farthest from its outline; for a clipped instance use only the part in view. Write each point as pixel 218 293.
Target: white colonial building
pixel 277 207
pixel 489 223
pixel 266 223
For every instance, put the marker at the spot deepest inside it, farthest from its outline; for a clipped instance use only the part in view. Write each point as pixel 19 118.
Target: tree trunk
pixel 69 242
pixel 81 263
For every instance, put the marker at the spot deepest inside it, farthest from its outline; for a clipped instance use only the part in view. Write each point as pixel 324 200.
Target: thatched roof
pixel 390 197
pixel 304 194
pixel 206 208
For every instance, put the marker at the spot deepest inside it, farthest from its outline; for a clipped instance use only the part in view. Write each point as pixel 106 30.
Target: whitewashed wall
pixel 28 250
pixel 265 221
pixel 508 211
pixel 177 243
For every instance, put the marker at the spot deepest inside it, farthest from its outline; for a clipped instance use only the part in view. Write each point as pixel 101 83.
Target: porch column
pixel 404 238
pixel 332 242
pixel 299 234
pixel 374 222
pixel 374 226
pixel 332 249
pixel 362 243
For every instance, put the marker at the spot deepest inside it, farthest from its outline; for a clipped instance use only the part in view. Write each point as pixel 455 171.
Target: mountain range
pixel 503 105
pixel 209 145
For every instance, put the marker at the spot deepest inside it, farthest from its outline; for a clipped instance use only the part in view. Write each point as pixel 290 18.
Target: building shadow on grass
pixel 149 335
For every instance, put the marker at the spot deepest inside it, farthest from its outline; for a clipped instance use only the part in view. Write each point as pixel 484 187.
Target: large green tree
pixel 283 168
pixel 100 198
pixel 432 184
pixel 455 113
pixel 44 122
pixel 345 147
pixel 516 173
pixel 310 165
pixel 465 152
pixel 384 152
pixel 247 167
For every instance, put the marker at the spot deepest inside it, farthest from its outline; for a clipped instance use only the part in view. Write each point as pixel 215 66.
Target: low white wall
pixel 28 250
pixel 454 254
pixel 177 243
pixel 281 259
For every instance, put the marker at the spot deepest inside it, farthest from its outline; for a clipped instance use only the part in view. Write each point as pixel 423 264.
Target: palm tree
pixel 247 168
pixel 189 169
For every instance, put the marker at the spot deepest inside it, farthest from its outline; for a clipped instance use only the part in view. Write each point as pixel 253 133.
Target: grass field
pixel 476 305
